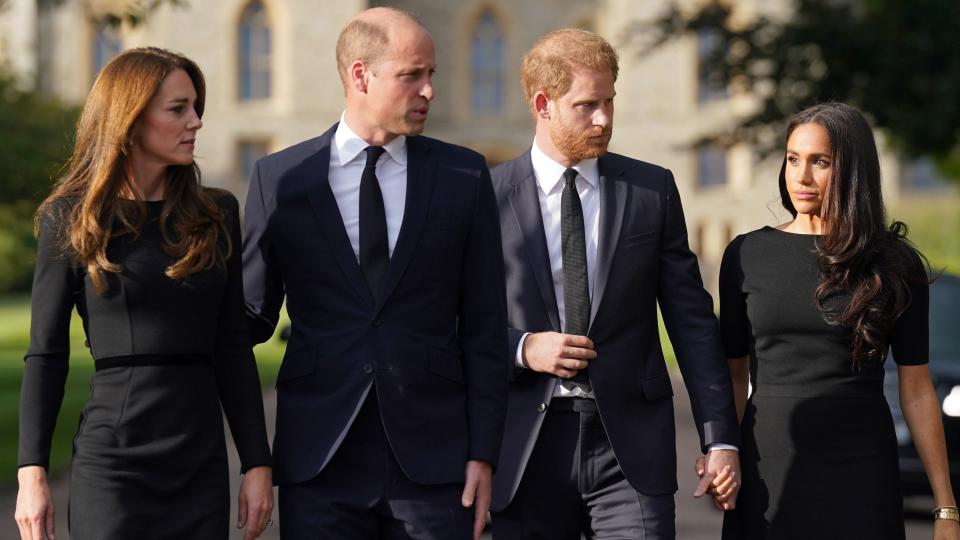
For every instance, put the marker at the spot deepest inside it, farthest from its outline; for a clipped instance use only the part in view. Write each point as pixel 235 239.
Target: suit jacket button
pixel 541 407
pixel 367 368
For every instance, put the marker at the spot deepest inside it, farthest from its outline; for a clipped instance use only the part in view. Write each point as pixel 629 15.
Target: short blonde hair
pixel 549 64
pixel 366 40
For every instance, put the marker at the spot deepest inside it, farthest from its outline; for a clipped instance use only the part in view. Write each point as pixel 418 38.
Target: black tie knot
pixel 570 178
pixel 373 154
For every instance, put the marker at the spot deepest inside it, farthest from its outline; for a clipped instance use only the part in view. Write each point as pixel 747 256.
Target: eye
pixel 822 163
pixel 792 160
pixel 177 109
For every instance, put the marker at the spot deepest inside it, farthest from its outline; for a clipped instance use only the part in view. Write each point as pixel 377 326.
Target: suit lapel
pixel 316 171
pixel 526 208
pixel 614 194
pixel 421 175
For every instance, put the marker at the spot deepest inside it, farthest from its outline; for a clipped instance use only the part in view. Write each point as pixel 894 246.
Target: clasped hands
pixel 719 473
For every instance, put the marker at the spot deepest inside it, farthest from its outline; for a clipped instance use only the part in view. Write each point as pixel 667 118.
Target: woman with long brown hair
pixel 151 261
pixel 812 307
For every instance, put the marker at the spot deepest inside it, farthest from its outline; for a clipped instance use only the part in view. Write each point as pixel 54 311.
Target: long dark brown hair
pixel 867 266
pixel 98 174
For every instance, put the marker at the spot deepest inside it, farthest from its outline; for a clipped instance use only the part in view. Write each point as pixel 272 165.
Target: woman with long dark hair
pixel 151 262
pixel 811 308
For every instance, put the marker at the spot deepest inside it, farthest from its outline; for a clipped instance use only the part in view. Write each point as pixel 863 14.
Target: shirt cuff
pixel 721 446
pixel 518 359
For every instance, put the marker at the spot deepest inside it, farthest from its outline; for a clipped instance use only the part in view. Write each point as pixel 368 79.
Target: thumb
pixel 702 486
pixel 242 510
pixel 469 491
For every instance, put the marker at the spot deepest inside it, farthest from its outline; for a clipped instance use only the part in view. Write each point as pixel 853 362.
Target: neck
pixel 371 134
pixel 545 144
pixel 147 178
pixel 806 224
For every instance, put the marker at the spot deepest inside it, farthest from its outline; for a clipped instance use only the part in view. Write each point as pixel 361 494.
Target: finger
pixel 36 528
pixel 698 466
pixel 242 512
pixel 726 486
pixel 50 523
pixel 479 522
pixel 579 353
pixel 702 486
pixel 720 478
pixel 578 341
pixel 564 373
pixel 572 364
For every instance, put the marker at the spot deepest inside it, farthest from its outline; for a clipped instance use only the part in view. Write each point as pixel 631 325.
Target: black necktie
pixel 374 254
pixel 576 294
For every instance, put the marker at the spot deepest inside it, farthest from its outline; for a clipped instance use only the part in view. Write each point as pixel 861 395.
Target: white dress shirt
pixel 550 184
pixel 347 160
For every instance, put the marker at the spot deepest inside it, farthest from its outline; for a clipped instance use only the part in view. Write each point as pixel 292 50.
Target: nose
pixel 426 91
pixel 194 122
pixel 804 175
pixel 603 117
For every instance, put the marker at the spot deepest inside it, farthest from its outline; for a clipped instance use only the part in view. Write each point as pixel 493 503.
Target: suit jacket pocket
pixel 638 238
pixel 446 365
pixel 443 225
pixel 657 387
pixel 297 365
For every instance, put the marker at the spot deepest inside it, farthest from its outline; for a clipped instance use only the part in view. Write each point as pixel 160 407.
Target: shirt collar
pixel 350 145
pixel 549 173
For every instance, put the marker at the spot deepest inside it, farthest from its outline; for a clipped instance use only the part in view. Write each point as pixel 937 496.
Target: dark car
pixel 945 372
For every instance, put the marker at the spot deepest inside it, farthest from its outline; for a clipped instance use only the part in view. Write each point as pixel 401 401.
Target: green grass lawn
pixel 14 339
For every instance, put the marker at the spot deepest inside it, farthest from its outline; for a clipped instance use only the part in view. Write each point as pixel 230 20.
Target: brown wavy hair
pixel 867 267
pixel 99 172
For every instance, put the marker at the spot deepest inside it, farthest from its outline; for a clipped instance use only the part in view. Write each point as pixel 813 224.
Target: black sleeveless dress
pixel 149 455
pixel 819 453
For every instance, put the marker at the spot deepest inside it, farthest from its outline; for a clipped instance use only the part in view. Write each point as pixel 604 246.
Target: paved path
pixel 696 519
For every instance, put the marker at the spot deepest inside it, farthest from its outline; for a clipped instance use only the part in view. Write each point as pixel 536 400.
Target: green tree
pixel 35 142
pixel 895 60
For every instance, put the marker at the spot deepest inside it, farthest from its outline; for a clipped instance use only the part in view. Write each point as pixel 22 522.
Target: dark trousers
pixel 573 485
pixel 363 494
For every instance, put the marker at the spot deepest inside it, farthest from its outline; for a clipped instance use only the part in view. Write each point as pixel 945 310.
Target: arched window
pixel 487 64
pixel 254 52
pixel 107 43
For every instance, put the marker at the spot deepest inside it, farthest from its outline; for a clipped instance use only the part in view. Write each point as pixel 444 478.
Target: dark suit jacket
pixel 433 344
pixel 642 259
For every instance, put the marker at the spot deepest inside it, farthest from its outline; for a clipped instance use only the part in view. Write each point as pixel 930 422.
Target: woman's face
pixel 809 167
pixel 166 131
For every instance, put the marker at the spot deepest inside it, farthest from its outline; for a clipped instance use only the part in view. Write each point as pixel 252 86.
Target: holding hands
pixel 719 473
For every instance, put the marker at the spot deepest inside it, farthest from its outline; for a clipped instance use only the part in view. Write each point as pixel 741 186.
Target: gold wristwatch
pixel 947 512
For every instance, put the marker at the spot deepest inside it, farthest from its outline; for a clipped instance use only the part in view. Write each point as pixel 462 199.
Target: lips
pixel 804 195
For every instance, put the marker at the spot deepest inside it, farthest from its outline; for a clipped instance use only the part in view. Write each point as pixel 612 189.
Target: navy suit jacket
pixel 642 260
pixel 432 347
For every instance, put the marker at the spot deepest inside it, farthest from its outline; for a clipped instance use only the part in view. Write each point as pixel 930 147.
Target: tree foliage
pixel 897 61
pixel 35 143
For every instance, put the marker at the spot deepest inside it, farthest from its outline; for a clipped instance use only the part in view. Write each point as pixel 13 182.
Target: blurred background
pixel 704 89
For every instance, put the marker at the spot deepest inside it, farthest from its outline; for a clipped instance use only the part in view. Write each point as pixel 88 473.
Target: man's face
pixel 581 121
pixel 399 85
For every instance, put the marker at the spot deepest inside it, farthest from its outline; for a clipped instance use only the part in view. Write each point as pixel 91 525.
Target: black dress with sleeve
pixel 819 453
pixel 149 456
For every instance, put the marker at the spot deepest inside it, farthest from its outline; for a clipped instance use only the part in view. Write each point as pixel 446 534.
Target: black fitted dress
pixel 819 453
pixel 149 456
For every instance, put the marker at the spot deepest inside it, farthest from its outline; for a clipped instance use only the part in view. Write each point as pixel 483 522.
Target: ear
pixel 358 76
pixel 541 103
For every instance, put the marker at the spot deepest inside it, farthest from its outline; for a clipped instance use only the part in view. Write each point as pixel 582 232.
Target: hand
pixel 476 493
pixel 255 502
pixel 34 514
pixel 719 475
pixel 558 354
pixel 946 529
